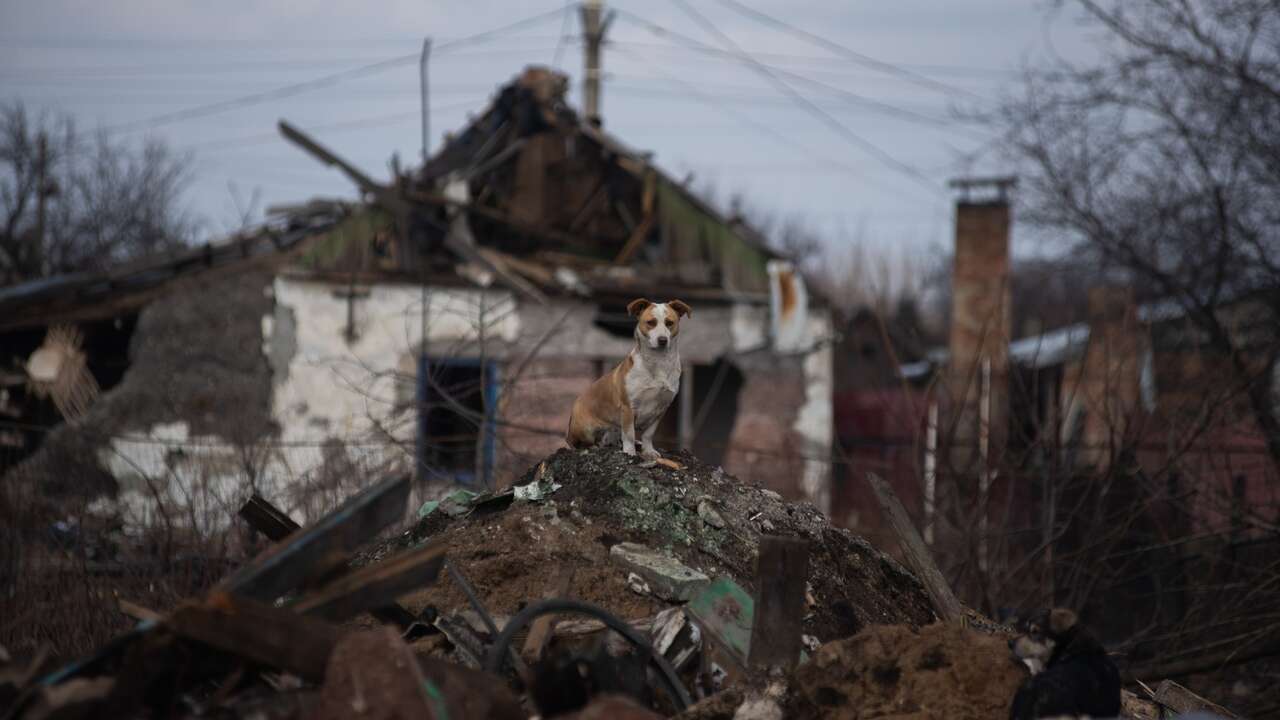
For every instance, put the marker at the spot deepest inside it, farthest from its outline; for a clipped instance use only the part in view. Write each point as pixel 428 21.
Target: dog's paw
pixel 629 450
pixel 649 453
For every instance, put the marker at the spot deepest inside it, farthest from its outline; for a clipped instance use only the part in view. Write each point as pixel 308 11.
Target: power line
pixel 762 128
pixel 805 103
pixel 320 82
pixel 849 53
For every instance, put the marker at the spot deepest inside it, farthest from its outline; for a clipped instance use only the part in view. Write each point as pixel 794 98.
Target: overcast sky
pixel 882 174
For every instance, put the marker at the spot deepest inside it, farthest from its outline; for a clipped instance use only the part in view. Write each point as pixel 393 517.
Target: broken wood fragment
pixel 375 586
pixel 138 612
pixel 259 633
pixel 1182 701
pixel 267 519
pixel 277 525
pixel 917 555
pixel 312 552
pixel 782 569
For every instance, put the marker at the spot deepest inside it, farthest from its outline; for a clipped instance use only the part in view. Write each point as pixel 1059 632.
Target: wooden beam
pixel 259 632
pixel 277 525
pixel 646 222
pixel 782 569
pixel 1182 701
pixel 374 586
pixel 311 552
pixel 916 553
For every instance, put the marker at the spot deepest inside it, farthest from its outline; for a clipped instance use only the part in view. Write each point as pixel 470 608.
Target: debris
pixel 776 627
pixel 613 707
pixel 941 670
pixel 322 547
pixel 637 584
pixel 917 554
pixel 267 518
pixel 709 514
pixel 669 578
pixel 374 586
pixel 136 611
pixel 277 525
pixel 1182 701
pixel 725 611
pixel 758 708
pixel 669 463
pixel 375 675
pixel 542 628
pixel 455 504
pixel 810 642
pixel 258 632
pixel 72 700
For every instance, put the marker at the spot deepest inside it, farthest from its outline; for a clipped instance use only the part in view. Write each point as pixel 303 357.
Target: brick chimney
pixel 980 326
pixel 1112 368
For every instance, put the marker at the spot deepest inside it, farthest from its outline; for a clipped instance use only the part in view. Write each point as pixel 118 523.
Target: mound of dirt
pixel 937 671
pixel 709 520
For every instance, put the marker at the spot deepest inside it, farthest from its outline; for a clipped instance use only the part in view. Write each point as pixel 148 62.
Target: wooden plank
pixel 1182 701
pixel 310 552
pixel 917 555
pixel 374 586
pixel 259 632
pixel 267 518
pixel 646 222
pixel 277 525
pixel 782 568
pixel 138 612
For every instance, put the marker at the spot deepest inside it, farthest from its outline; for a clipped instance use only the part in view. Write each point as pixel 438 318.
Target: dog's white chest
pixel 650 388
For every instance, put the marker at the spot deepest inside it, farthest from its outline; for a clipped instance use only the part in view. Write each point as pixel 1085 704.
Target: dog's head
pixel 658 324
pixel 1041 634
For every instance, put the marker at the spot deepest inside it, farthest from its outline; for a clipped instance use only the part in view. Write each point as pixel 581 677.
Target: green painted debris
pixel 725 611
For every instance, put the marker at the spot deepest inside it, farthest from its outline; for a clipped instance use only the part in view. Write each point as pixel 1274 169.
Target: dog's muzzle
pixel 662 342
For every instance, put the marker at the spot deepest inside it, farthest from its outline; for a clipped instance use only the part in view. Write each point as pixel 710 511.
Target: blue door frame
pixel 490 424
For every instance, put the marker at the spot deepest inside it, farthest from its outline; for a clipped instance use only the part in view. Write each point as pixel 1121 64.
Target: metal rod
pixel 426 108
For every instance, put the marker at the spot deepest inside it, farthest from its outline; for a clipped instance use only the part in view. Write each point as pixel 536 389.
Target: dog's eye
pixel 652 323
pixel 669 323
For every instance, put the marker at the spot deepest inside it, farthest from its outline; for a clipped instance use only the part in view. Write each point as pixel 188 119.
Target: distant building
pixel 294 356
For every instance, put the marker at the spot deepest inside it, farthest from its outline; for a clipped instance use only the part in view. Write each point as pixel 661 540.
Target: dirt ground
pixel 937 671
pixel 709 520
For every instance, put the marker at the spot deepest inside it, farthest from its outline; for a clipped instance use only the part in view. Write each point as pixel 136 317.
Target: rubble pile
pixel 597 586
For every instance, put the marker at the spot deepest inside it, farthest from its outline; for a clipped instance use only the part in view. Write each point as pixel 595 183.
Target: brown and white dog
pixel 633 397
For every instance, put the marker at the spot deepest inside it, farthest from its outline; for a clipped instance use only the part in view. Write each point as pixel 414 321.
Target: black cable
pixel 493 661
pixel 782 86
pixel 323 81
pixel 849 53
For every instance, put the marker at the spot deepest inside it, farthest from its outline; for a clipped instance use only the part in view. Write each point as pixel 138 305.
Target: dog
pixel 1071 674
pixel 633 397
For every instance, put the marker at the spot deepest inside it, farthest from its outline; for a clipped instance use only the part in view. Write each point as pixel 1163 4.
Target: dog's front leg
pixel 628 431
pixel 646 444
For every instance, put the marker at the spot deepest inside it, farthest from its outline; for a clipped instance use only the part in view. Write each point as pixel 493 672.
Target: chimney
pixel 594 26
pixel 978 373
pixel 1111 375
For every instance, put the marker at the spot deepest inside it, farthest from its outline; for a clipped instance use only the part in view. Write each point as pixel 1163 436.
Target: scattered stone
pixel 810 642
pixel 669 578
pixel 776 497
pixel 637 584
pixel 758 708
pixel 709 514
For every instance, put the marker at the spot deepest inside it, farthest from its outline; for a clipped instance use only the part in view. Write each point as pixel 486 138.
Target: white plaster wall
pixel 815 421
pixel 333 388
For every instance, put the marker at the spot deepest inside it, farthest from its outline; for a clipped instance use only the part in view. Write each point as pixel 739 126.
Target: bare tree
pixel 70 203
pixel 1162 160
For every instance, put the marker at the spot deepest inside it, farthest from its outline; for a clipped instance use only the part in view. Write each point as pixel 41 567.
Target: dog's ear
pixel 1061 621
pixel 637 306
pixel 681 307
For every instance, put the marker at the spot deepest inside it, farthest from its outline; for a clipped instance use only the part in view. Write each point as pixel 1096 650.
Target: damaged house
pixel 443 325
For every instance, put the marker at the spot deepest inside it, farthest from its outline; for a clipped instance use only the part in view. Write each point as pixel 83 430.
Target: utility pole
pixel 43 191
pixel 594 26
pixel 426 112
